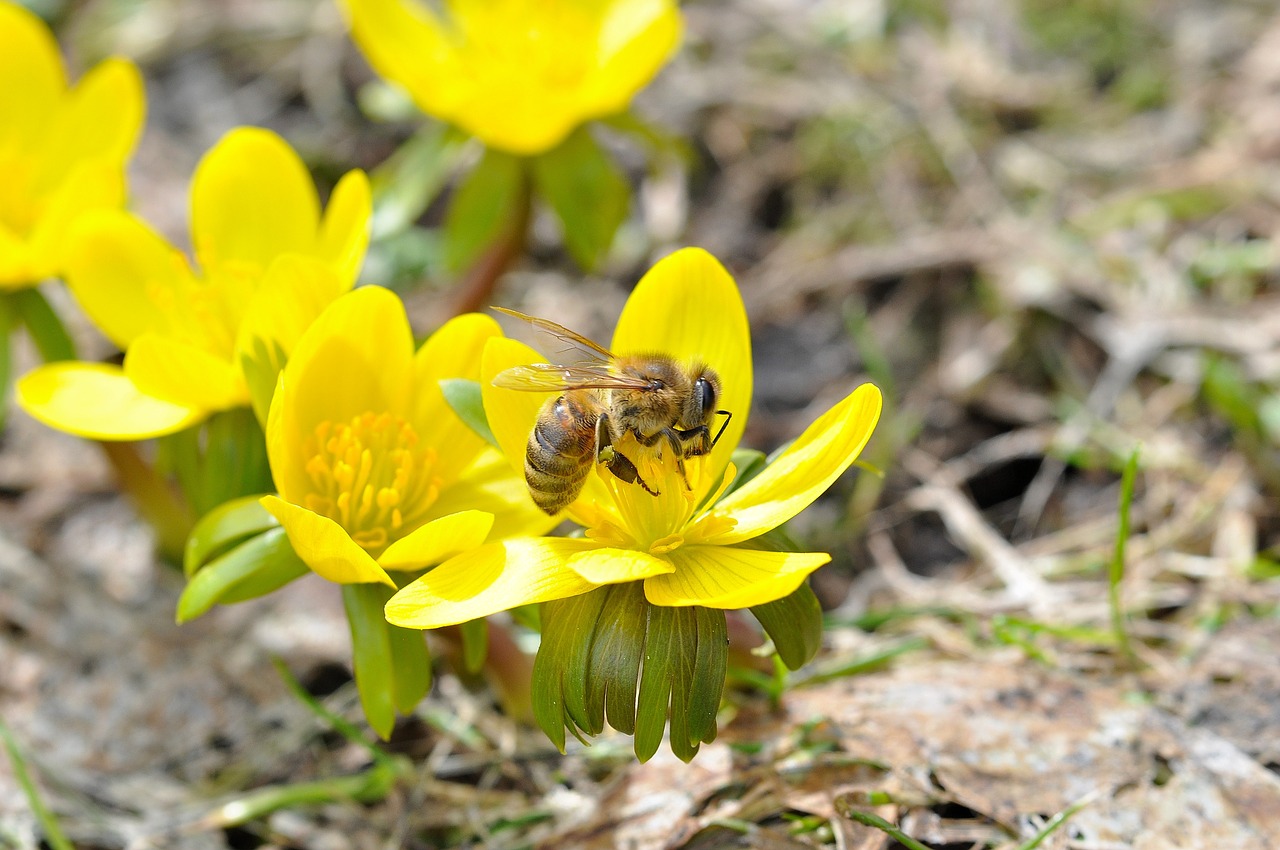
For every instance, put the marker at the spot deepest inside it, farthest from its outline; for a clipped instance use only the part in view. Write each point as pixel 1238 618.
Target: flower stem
pixel 475 290
pixel 153 497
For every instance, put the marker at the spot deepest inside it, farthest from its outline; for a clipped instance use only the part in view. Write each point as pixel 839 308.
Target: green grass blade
pixel 53 833
pixel 1058 820
pixel 869 819
pixel 1116 573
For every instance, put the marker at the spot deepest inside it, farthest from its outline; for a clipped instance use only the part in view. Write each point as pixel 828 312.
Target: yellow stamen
pixel 369 476
pixel 657 524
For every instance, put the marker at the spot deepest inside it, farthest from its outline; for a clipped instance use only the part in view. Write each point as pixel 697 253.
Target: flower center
pixel 655 524
pixel 370 476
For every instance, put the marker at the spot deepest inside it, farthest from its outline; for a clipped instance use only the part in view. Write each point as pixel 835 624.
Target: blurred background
pixel 1049 231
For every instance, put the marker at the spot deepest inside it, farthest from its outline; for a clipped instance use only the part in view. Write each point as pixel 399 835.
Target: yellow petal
pixel 404 43
pixel 89 186
pixel 355 358
pixel 437 540
pixel 100 120
pixel 723 577
pixel 124 275
pixel 31 78
pixel 490 484
pixel 804 471
pixel 170 369
pixel 614 566
pixel 16 268
pixel 511 413
pixel 689 307
pixel 344 231
pixel 284 452
pixel 251 200
pixel 636 37
pixel 453 351
pixel 293 293
pixel 493 578
pixel 97 401
pixel 323 545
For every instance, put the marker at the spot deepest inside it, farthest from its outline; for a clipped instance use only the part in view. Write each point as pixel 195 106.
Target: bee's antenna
pixel 727 416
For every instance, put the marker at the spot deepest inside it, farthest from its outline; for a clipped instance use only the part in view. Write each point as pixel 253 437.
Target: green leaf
pixel 484 206
pixel 464 396
pixel 658 140
pixel 371 652
pixel 710 667
pixel 222 458
pixel 560 667
pixel 475 644
pixel 615 656
pixel 406 183
pixel 589 668
pixel 410 666
pixel 654 698
pixel 257 566
pixel 588 192
pixel 46 329
pixel 261 369
pixel 224 527
pixel 794 624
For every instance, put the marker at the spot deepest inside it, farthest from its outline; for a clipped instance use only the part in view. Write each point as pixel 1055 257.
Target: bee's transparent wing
pixel 548 377
pixel 584 350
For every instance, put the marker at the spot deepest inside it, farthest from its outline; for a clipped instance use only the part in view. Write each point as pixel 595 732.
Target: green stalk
pixel 1116 573
pixel 475 291
pixel 53 833
pixel 1059 819
pixel 154 499
pixel 869 819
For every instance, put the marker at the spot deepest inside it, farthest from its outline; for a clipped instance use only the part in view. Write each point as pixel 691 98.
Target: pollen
pixel 371 477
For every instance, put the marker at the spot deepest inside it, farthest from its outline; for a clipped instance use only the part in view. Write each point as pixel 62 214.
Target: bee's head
pixel 701 403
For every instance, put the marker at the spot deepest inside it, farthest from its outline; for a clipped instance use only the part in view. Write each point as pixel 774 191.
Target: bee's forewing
pixel 548 377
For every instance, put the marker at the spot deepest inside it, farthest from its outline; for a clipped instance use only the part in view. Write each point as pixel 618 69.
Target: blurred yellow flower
pixel 62 149
pixel 374 470
pixel 269 263
pixel 516 74
pixel 684 542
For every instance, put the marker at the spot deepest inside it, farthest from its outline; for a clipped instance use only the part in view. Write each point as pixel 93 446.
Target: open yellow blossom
pixel 518 75
pixel 374 470
pixel 62 148
pixel 269 262
pixel 683 543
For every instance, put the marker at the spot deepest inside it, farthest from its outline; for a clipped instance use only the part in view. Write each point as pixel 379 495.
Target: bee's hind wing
pixel 588 351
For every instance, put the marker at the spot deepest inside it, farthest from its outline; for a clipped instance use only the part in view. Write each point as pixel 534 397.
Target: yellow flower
pixel 683 543
pixel 62 149
pixel 374 471
pixel 516 74
pixel 269 263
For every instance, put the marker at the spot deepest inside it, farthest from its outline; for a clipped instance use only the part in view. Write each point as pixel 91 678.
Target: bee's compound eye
pixel 706 391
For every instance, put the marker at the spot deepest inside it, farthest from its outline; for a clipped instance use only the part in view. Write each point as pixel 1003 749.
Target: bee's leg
pixel 618 463
pixel 702 434
pixel 676 439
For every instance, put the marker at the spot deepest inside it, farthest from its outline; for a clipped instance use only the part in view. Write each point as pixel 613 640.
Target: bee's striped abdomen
pixel 561 452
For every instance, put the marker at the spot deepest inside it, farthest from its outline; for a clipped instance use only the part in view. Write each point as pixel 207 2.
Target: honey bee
pixel 604 397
